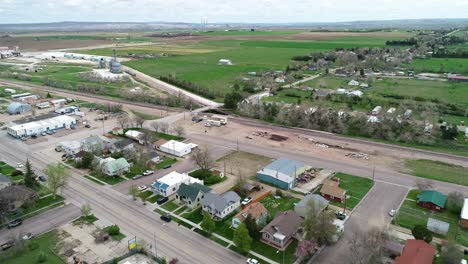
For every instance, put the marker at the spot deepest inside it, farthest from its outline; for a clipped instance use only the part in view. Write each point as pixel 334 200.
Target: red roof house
pixel 416 252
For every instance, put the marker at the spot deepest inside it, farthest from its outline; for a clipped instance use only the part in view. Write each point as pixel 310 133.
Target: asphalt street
pixel 42 223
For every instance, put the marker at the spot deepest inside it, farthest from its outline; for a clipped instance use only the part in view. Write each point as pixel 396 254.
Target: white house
pixel 353 83
pixel 219 206
pixel 341 91
pixel 356 93
pixel 135 135
pixel 36 127
pixel 224 62
pixel 176 148
pixel 391 110
pixel 115 167
pixel 170 183
pixel 71 147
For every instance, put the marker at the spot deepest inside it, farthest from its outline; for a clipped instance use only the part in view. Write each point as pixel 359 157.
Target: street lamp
pixel 277 252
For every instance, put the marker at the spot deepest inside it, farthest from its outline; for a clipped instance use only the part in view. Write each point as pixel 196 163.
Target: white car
pixel 141 188
pixel 252 261
pixel 392 213
pixel 247 200
pixel 28 236
pixel 148 172
pixel 19 165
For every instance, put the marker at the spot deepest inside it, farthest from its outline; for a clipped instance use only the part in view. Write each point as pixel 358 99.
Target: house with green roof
pixel 115 167
pixel 191 195
pixel 432 200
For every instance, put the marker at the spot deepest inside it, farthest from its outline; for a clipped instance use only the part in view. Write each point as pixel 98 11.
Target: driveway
pixel 42 223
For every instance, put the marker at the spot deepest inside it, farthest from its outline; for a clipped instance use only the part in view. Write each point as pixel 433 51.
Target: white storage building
pixel 36 127
pixel 176 148
pixel 170 183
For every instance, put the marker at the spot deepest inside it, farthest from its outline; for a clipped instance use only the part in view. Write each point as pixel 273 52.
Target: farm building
pixel 318 202
pixel 256 210
pixel 224 62
pixel 58 103
pixel 282 173
pixel 464 214
pixel 331 191
pixel 376 110
pixel 356 94
pixel 170 183
pixel 16 108
pixel 432 200
pixel 416 251
pixel 9 90
pixel 176 148
pixel 36 127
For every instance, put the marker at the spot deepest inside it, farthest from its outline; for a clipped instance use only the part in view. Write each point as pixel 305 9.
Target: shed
pixel 176 148
pixel 438 226
pixel 16 108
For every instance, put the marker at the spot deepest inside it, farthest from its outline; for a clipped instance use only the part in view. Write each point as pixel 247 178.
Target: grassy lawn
pixel 410 214
pixel 279 205
pixel 116 237
pixel 93 180
pixel 46 202
pixel 439 171
pixel 194 216
pixel 181 222
pixel 154 198
pixel 107 179
pixel 453 65
pixel 45 242
pixel 6 169
pixel 356 188
pixel 271 252
pixel 180 210
pixel 159 211
pixel 145 194
pixel 134 170
pixel 223 227
pixel 207 177
pixel 170 206
pixel 145 116
pixel 166 161
pixel 90 219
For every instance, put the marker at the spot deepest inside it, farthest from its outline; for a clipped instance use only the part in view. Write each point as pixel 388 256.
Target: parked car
pixel 142 188
pixel 33 136
pixel 7 245
pixel 148 172
pixel 15 223
pixel 43 133
pixel 58 148
pixel 167 166
pixel 136 177
pixel 87 126
pixel 42 178
pixel 166 218
pixel 247 200
pixel 252 261
pixel 19 165
pixel 340 215
pixel 28 236
pixel 392 212
pixel 49 132
pixel 162 200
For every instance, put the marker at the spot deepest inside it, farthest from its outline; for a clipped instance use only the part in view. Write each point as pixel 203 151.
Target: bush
pixel 420 232
pixel 33 245
pixel 16 173
pixel 279 193
pixel 113 230
pixel 42 257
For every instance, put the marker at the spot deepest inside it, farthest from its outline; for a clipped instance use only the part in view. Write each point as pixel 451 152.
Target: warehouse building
pixel 282 173
pixel 36 127
pixel 176 148
pixel 16 108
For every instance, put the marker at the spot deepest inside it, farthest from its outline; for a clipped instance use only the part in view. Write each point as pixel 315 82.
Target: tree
pixel 139 121
pixel 232 99
pixel 424 184
pixel 202 158
pixel 367 247
pixel 319 226
pixel 455 202
pixel 164 126
pixel 156 126
pixel 242 238
pixel 422 233
pixel 133 191
pixel 29 175
pixel 180 131
pixel 87 160
pixel 304 248
pixel 252 226
pixel 208 224
pixel 86 210
pixel 48 95
pixel 450 253
pixel 58 176
pixel 123 122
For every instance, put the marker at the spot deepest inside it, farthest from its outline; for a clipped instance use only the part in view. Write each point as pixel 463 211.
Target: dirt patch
pixel 242 163
pixel 30 44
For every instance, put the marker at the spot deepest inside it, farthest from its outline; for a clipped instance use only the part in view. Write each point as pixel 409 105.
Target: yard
pixel 194 216
pixel 107 179
pixel 410 214
pixel 170 206
pixel 38 206
pixel 45 244
pixel 282 204
pixel 356 188
pixel 166 161
pixel 439 171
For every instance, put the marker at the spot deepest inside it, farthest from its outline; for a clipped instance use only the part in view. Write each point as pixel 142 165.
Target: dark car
pixel 340 215
pixel 48 132
pixel 7 245
pixel 136 177
pixel 15 223
pixel 87 126
pixel 42 178
pixel 33 136
pixel 166 218
pixel 162 200
pixel 167 166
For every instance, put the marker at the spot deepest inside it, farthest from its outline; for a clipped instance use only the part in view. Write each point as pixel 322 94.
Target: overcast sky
pixel 216 11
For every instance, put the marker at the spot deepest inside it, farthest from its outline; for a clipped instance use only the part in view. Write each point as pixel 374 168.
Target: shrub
pixel 279 193
pixel 42 257
pixel 420 232
pixel 16 173
pixel 113 230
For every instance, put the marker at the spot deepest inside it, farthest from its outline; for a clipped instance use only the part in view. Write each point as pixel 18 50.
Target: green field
pixel 440 65
pixel 410 214
pixel 248 32
pixel 356 188
pixel 439 171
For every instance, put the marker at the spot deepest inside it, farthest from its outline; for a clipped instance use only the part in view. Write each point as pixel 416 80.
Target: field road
pixel 42 223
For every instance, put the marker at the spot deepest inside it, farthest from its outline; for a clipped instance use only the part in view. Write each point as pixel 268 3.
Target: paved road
pixel 42 223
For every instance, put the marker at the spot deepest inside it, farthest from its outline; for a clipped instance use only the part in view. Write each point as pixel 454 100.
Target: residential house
pixel 169 184
pixel 176 148
pixel 355 94
pixel 4 181
pixel 353 83
pixel 115 167
pixel 256 210
pixel 190 195
pixel 416 252
pixel 121 145
pixel 17 196
pixel 219 206
pixel 341 72
pixel 136 135
pixel 92 144
pixel 279 232
pixel 154 158
pixel 432 200
pixel 117 131
pixel 319 203
pixel 331 191
pixel 282 173
pixel 70 147
pixel 464 214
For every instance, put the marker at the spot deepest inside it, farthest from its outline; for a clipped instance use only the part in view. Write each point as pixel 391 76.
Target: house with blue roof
pixel 282 173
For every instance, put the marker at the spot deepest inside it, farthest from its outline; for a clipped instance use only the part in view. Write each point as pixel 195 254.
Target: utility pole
pixel 373 173
pixel 237 144
pixel 103 126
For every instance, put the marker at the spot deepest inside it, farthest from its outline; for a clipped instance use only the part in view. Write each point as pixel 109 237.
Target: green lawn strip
pixel 181 222
pixel 45 242
pixel 271 252
pixel 145 116
pixel 6 169
pixel 180 210
pixel 170 206
pixel 159 211
pixel 439 171
pixel 134 170
pixel 145 194
pixel 283 204
pixel 93 179
pixel 220 241
pixel 410 214
pixel 90 219
pixel 223 227
pixel 194 216
pixel 107 179
pixel 154 198
pixel 166 161
pixel 39 206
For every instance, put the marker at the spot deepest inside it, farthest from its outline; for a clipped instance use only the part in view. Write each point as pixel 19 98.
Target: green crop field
pixel 249 33
pixel 440 65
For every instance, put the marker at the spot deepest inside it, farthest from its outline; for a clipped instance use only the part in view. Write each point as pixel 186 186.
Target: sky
pixel 220 11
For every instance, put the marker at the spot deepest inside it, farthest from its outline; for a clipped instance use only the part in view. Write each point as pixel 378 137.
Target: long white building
pixel 36 127
pixel 176 148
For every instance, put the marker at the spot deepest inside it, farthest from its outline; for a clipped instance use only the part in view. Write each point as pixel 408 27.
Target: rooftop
pixel 464 212
pixel 285 223
pixel 284 169
pixel 433 197
pixel 332 188
pixel 416 252
pixel 44 123
pixel 174 145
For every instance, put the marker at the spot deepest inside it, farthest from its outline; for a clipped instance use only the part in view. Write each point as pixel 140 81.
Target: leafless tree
pixel 164 127
pixel 202 158
pixel 123 122
pixel 367 247
pixel 156 126
pixel 424 184
pixel 179 131
pixel 139 121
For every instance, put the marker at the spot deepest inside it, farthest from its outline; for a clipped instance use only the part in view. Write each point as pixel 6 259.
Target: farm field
pixel 441 65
